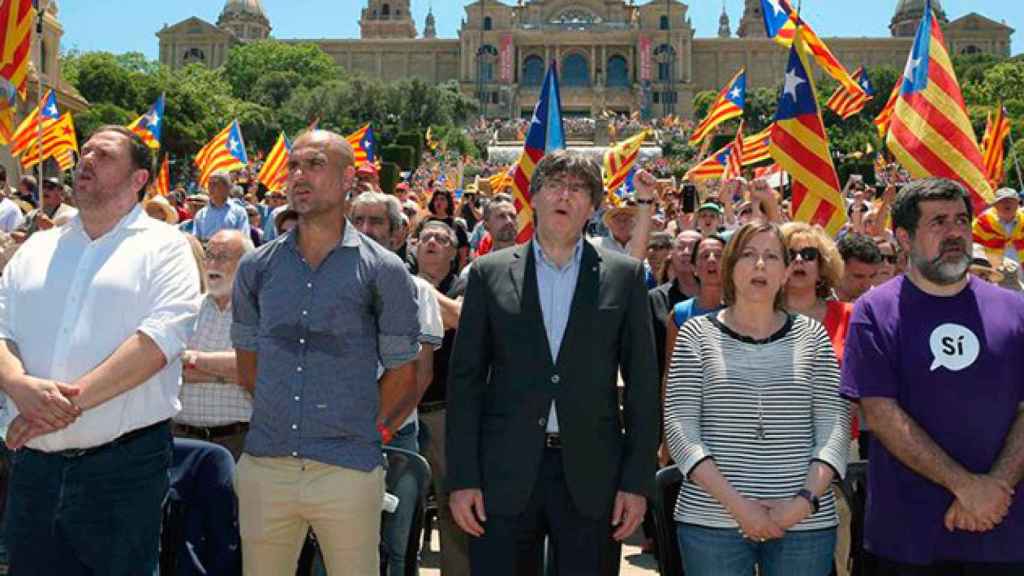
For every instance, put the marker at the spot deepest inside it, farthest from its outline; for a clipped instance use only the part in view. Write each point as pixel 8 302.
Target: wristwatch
pixel 810 497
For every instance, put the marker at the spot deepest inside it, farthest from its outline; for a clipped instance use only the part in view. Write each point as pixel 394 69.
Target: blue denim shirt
pixel 319 335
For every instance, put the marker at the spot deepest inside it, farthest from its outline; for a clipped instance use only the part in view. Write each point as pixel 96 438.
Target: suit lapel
pixel 584 302
pixel 524 277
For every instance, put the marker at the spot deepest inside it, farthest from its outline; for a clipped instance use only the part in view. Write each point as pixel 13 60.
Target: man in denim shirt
pixel 314 312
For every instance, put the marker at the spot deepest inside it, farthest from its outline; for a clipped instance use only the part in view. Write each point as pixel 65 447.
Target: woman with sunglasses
pixel 815 269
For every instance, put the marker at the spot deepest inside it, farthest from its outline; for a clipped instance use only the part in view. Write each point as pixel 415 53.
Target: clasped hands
pixel 762 520
pixel 44 406
pixel 981 503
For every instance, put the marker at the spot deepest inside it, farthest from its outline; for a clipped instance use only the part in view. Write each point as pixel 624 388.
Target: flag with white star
pixel 930 132
pixel 37 122
pixel 799 145
pixel 150 125
pixel 846 104
pixel 728 105
pixel 226 151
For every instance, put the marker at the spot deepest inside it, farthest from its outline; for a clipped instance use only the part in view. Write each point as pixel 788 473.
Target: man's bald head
pixel 335 145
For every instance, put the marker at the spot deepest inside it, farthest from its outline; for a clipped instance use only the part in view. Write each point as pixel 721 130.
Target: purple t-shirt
pixel 956 366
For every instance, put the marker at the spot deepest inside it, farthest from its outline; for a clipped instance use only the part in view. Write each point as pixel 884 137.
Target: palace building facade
pixel 613 54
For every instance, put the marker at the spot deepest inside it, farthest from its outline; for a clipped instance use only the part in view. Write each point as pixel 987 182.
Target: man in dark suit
pixel 537 441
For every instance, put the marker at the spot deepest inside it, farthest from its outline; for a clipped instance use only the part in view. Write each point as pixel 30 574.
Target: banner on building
pixel 645 57
pixel 506 58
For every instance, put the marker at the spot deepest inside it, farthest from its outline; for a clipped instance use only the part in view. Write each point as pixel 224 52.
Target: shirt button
pixel 305 313
pixel 295 426
pixel 556 379
pixel 299 369
pixel 309 284
pixel 542 422
pixel 302 340
pixel 297 398
pixel 295 454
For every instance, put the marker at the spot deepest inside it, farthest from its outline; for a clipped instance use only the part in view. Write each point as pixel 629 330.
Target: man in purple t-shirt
pixel 936 359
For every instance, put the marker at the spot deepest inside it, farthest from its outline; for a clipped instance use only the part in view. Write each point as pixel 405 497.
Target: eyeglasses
pixel 890 258
pixel 217 258
pixel 809 254
pixel 439 237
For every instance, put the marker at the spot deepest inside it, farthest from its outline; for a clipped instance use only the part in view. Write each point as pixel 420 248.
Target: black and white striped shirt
pixel 716 381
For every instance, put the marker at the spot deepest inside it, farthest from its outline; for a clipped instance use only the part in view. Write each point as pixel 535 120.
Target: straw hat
pixel 170 215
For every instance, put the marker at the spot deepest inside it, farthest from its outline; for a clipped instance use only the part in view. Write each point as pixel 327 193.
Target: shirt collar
pixel 350 237
pixel 136 219
pixel 577 255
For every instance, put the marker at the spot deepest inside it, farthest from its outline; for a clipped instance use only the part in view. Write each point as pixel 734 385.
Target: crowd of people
pixel 258 361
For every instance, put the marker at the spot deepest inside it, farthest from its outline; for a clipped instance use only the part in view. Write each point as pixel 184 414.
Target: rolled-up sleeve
pixel 830 411
pixel 683 392
pixel 245 311
pixel 174 298
pixel 398 326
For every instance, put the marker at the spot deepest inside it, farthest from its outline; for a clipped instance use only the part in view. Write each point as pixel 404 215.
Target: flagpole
pixel 39 125
pixel 1016 162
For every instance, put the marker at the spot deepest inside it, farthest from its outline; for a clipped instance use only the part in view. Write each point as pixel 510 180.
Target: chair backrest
pixel 669 480
pixel 403 463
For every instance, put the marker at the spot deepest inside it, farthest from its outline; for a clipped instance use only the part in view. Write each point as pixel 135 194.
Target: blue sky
pixel 131 25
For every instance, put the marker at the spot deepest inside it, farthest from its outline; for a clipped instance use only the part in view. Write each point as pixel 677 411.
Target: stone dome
pixel 908 15
pixel 254 7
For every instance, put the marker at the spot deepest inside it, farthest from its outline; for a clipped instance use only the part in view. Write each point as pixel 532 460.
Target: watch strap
pixel 811 498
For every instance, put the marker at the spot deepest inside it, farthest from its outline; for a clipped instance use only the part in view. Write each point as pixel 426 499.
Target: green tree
pixel 249 64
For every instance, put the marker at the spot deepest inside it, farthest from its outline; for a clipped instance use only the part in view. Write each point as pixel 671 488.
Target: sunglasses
pixel 809 254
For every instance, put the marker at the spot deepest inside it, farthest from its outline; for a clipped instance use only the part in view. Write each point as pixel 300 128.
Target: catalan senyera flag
pixel 274 173
pixel 782 22
pixel 364 145
pixel 800 146
pixel 711 167
pixel 66 160
pixel 931 134
pixel 226 151
pixel 619 160
pixel 734 164
pixel 727 106
pixel 546 134
pixel 8 110
pixel 993 145
pixel 884 118
pixel 845 103
pixel 162 182
pixel 149 125
pixel 756 147
pixel 499 181
pixel 58 138
pixel 429 137
pixel 16 18
pixel 42 116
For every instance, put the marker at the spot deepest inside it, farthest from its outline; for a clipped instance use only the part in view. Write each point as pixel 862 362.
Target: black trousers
pixel 513 545
pixel 877 566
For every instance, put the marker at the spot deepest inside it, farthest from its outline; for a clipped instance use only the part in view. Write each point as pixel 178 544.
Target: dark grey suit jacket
pixel 502 381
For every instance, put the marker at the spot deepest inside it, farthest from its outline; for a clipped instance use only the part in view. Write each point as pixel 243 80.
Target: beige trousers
pixel 279 499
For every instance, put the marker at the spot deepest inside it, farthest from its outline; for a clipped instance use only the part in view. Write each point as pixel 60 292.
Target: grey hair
pixel 496 201
pixel 394 208
pixel 440 226
pixel 220 176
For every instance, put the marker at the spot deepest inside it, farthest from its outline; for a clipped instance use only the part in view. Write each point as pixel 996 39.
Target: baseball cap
pixel 1007 194
pixel 711 206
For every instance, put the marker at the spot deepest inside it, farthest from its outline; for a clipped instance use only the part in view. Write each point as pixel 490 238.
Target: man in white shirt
pixel 11 215
pixel 93 317
pixel 213 405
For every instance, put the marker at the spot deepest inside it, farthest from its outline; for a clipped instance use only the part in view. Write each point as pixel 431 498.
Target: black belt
pixel 212 432
pixel 122 439
pixel 428 407
pixel 553 441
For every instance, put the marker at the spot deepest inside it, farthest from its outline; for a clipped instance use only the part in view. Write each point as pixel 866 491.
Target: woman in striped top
pixel 754 420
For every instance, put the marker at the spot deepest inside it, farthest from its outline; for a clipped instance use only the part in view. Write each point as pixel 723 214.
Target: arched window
pixel 664 55
pixel 533 71
pixel 575 70
pixel 618 72
pixel 971 50
pixel 486 56
pixel 663 23
pixel 488 23
pixel 193 55
pixel 385 10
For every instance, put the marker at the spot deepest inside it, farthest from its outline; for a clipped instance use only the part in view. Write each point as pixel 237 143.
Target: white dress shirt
pixel 10 215
pixel 69 302
pixel 431 328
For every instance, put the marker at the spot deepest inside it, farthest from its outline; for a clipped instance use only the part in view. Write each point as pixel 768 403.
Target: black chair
pixel 669 480
pixel 402 463
pixel 855 488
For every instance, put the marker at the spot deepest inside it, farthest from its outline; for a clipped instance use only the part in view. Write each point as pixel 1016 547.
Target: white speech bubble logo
pixel 953 347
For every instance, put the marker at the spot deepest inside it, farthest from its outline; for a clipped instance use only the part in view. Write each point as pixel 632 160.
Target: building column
pixel 380 64
pixel 547 55
pixel 593 64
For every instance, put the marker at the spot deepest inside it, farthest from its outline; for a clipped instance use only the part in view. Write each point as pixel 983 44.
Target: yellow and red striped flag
pixel 16 40
pixel 734 165
pixel 619 160
pixel 498 182
pixel 711 167
pixel 43 115
pixel 756 148
pixel 781 23
pixel 58 138
pixel 66 160
pixel 800 146
pixel 162 182
pixel 226 151
pixel 993 145
pixel 728 105
pixel 274 173
pixel 845 103
pixel 931 134
pixel 364 145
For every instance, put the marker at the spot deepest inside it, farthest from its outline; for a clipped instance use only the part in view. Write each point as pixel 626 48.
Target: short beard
pixel 940 272
pixel 504 235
